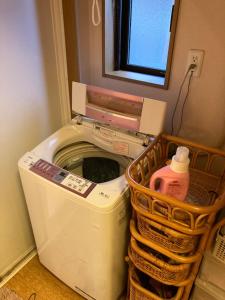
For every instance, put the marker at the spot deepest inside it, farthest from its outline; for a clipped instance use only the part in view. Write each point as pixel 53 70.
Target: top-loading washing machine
pixel 76 192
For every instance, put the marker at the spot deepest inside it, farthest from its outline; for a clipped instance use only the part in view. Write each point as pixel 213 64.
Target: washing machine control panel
pixel 63 178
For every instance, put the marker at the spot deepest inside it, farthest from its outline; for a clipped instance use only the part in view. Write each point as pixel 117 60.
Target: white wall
pixel 200 26
pixel 29 111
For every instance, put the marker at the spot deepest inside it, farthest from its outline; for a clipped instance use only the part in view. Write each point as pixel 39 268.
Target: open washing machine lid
pixel 118 109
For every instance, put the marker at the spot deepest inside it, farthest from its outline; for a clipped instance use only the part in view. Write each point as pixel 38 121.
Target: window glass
pixel 150 33
pixel 139 38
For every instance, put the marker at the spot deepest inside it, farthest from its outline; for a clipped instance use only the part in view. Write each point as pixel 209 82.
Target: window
pixel 144 33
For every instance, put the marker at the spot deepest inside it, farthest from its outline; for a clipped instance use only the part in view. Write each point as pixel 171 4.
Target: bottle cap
pixel 180 160
pixel 182 154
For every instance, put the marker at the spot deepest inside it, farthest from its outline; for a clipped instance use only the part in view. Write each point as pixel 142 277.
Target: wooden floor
pixel 34 278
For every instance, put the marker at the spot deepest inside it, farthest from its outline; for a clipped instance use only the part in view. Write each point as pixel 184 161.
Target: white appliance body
pixel 82 240
pixel 80 227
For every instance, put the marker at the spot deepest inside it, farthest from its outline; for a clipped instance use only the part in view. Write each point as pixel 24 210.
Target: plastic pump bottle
pixel 173 180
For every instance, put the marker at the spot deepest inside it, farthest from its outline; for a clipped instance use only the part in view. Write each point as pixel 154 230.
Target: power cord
pixel 32 296
pixel 185 100
pixel 191 67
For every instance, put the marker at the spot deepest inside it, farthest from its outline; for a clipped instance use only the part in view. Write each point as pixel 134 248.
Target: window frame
pixel 120 57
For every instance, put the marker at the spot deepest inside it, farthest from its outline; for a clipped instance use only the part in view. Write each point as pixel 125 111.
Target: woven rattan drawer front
pixel 166 237
pixel 138 292
pixel 156 265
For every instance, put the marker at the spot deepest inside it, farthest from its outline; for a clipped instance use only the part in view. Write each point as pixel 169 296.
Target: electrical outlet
pixel 195 56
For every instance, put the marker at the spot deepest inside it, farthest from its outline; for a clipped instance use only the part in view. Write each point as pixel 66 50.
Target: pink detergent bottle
pixel 173 180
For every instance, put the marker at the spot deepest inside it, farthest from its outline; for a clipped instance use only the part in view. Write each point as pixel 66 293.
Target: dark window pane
pixel 149 33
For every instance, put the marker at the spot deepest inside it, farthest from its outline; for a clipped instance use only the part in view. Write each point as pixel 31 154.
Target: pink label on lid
pixel 112 118
pixel 114 94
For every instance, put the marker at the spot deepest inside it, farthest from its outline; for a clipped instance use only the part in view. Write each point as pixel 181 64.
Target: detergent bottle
pixel 173 180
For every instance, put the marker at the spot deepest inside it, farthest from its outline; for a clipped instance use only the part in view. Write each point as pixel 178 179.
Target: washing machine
pixel 76 192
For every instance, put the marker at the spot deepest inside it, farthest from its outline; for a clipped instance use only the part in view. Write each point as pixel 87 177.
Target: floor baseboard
pixel 18 266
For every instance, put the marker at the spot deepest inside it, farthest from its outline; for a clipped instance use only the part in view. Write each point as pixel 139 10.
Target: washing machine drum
pixel 91 162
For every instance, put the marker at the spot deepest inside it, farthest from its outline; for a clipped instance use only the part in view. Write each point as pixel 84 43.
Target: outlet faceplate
pixel 195 56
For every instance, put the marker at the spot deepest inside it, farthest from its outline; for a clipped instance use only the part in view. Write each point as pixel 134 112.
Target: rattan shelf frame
pixel 186 218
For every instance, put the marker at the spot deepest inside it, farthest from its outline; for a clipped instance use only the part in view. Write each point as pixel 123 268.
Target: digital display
pixel 63 174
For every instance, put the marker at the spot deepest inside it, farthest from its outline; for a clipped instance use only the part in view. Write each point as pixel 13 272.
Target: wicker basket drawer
pixel 157 265
pixel 166 237
pixel 142 287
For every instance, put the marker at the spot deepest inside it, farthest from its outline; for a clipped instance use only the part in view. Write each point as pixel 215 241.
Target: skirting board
pixel 18 265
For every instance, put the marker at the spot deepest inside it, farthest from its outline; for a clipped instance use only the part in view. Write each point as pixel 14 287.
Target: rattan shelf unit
pixel 169 236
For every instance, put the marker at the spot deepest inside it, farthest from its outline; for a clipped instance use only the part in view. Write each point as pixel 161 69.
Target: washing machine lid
pixel 118 109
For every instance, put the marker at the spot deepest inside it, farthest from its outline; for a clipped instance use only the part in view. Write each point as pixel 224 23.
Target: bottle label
pixel 176 189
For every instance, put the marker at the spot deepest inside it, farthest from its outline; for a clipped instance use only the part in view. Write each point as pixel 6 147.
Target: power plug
pixel 195 57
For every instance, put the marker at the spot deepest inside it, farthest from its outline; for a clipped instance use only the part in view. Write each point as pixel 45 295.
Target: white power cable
pixel 95 5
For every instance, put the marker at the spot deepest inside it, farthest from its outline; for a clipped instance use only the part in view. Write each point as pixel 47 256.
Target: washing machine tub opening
pixel 91 162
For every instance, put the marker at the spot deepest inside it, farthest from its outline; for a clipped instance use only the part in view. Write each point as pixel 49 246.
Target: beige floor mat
pixel 8 294
pixel 35 278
